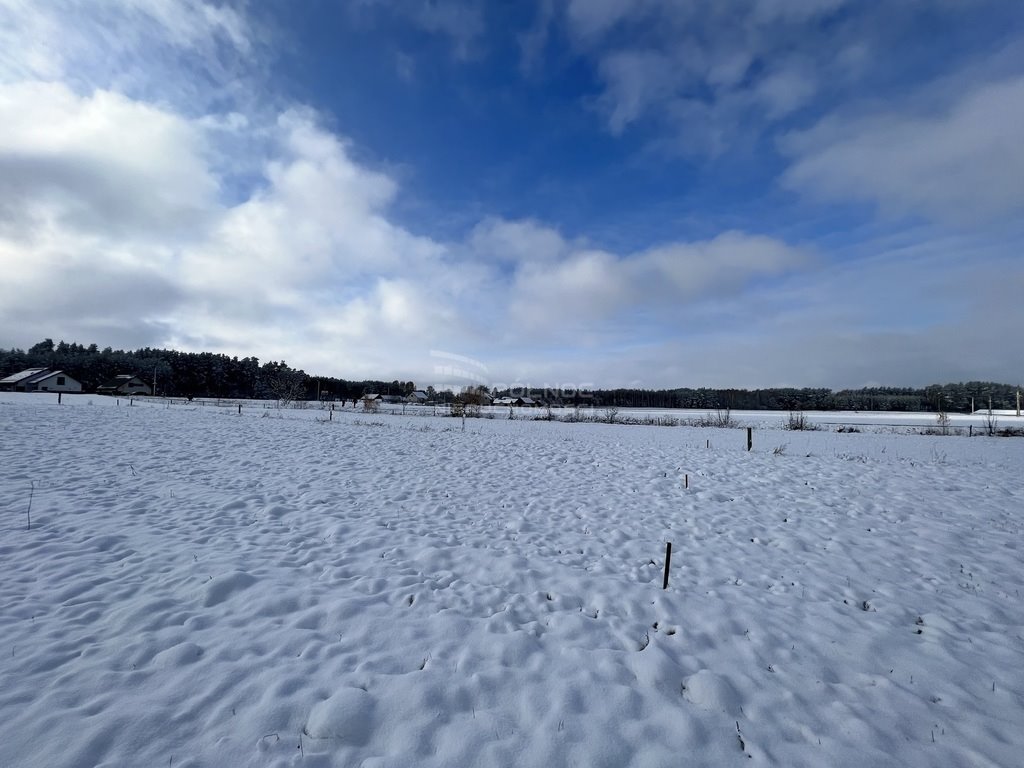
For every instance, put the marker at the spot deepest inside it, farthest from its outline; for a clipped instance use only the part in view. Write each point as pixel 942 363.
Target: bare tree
pixel 287 386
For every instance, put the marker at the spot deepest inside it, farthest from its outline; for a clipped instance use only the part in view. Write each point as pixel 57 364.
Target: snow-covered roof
pixel 43 375
pixel 15 378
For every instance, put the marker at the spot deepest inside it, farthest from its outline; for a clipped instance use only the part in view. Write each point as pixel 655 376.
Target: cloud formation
pixel 174 198
pixel 963 162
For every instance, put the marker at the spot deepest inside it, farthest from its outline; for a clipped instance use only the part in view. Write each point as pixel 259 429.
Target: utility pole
pixel 1018 402
pixel 154 380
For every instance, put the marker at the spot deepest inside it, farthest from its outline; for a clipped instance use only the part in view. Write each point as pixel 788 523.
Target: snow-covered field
pixel 200 588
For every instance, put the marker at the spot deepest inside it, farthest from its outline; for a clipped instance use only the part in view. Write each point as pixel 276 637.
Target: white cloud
pixel 909 315
pixel 533 42
pixel 786 89
pixel 101 163
pixel 462 22
pixel 598 295
pixel 707 73
pixel 189 53
pixel 965 162
pixel 636 82
pixel 129 213
pixel 308 266
pixel 516 242
pixel 590 19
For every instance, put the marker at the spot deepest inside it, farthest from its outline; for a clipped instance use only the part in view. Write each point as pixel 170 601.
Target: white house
pixel 40 380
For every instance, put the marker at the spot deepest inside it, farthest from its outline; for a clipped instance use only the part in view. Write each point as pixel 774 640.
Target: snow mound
pixel 712 692
pixel 221 588
pixel 348 715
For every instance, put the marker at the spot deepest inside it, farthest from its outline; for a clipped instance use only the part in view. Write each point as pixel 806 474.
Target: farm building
pixel 518 401
pixel 418 396
pixel 40 380
pixel 124 384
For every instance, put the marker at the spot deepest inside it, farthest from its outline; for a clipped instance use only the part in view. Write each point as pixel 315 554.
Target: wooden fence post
pixel 750 438
pixel 668 560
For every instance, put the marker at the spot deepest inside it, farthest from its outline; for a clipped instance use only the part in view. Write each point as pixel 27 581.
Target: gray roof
pixel 45 374
pixel 119 381
pixel 28 373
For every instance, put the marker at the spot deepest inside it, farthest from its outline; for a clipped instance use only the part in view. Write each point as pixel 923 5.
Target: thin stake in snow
pixel 750 438
pixel 668 560
pixel 28 512
pixel 686 481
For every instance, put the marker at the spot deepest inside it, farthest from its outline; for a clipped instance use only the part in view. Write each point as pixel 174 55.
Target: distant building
pixel 124 384
pixel 418 396
pixel 40 380
pixel 529 402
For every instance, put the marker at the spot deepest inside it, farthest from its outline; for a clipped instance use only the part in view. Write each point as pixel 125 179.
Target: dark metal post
pixel 668 561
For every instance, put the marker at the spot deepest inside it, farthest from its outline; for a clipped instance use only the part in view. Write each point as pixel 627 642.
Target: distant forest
pixel 204 374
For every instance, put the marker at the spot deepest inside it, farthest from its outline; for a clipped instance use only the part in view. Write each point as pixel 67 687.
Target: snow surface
pixel 200 588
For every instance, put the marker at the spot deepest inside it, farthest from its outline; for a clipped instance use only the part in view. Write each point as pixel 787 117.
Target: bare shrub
pixel 798 422
pixel 467 410
pixel 720 418
pixel 723 418
pixel 991 423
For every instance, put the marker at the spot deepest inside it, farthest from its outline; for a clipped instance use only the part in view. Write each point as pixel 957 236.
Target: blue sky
pixel 559 193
